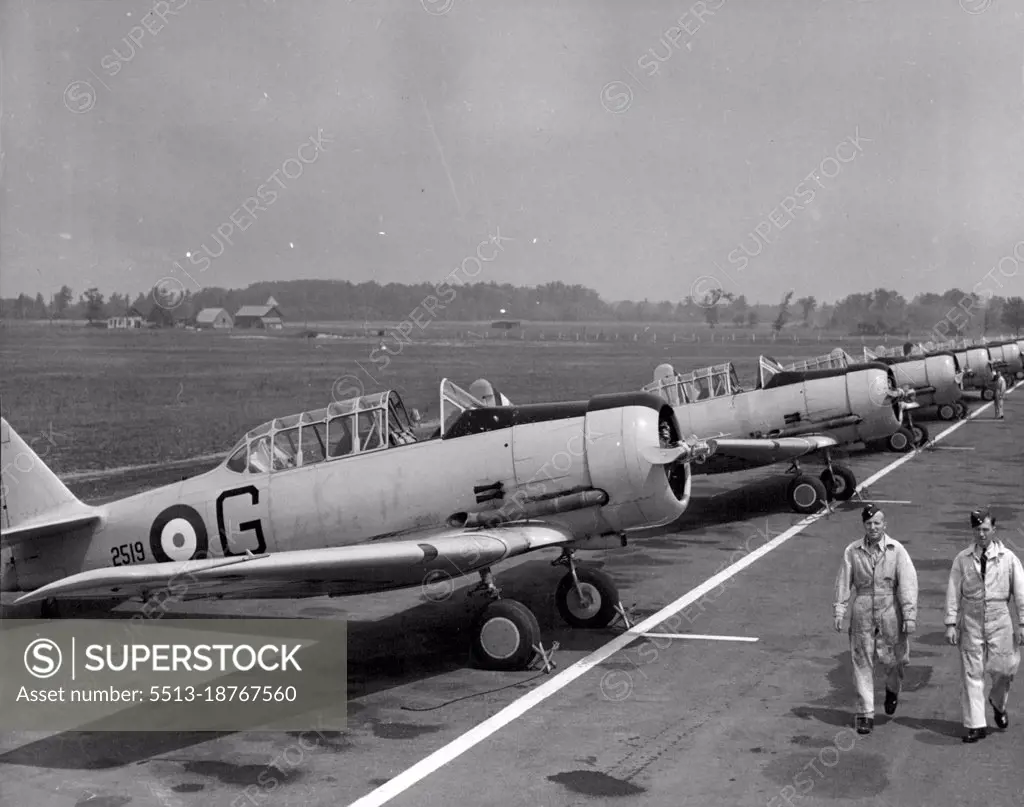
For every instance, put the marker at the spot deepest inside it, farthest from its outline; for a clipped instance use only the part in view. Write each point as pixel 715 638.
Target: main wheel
pixel 806 494
pixel 920 435
pixel 504 636
pixel 961 410
pixel 900 441
pixel 840 483
pixel 596 609
pixel 947 412
pixel 988 394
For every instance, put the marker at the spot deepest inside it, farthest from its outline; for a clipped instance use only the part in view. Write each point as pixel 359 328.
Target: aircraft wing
pixel 769 450
pixel 431 557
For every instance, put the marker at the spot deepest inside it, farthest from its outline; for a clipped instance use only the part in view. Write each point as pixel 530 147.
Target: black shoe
pixel 891 699
pixel 973 735
pixel 1002 719
pixel 865 724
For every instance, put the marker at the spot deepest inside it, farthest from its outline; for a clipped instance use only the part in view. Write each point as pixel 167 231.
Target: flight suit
pixel 1000 393
pixel 980 610
pixel 883 583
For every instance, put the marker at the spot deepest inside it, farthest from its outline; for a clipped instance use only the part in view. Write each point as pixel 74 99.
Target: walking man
pixel 879 574
pixel 983 580
pixel 1000 394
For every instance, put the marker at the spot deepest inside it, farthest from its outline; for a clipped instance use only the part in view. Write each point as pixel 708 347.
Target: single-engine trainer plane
pixel 936 379
pixel 787 415
pixel 345 500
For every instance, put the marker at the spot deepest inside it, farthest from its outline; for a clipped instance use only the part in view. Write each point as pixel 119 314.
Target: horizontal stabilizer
pixel 33 501
pixel 53 525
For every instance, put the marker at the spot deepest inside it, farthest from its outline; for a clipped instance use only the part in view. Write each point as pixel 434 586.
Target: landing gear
pixel 586 598
pixel 839 481
pixel 920 434
pixel 806 494
pixel 506 634
pixel 947 412
pixel 901 441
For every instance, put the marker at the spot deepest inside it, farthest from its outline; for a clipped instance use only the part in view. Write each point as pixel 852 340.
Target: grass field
pixel 92 399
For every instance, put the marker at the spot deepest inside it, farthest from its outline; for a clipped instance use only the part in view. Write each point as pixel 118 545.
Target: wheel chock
pixel 623 614
pixel 546 657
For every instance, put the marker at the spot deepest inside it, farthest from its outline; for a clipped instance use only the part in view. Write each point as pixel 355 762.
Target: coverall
pixel 1000 395
pixel 980 610
pixel 883 583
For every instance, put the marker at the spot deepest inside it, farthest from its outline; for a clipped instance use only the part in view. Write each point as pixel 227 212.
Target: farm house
pixel 215 318
pixel 133 318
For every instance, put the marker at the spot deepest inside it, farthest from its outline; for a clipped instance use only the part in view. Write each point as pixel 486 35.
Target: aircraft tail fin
pixel 33 501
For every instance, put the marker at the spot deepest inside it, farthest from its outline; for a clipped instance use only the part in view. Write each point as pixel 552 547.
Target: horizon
pixel 149 293
pixel 769 148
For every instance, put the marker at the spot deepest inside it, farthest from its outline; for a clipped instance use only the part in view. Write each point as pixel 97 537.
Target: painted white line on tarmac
pixel 700 636
pixel 464 742
pixel 881 501
pixel 952 448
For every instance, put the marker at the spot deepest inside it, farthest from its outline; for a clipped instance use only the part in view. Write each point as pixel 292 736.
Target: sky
pixel 826 147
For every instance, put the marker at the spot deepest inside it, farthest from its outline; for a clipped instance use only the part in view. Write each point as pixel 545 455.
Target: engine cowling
pixel 624 445
pixel 623 436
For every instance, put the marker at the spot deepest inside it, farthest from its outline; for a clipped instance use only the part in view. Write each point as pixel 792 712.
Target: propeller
pixel 697 451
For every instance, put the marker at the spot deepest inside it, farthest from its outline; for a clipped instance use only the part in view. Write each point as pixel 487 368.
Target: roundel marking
pixel 178 534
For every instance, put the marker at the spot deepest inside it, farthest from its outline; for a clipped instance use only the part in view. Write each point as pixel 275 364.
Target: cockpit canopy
pixel 717 381
pixel 353 426
pixel 837 358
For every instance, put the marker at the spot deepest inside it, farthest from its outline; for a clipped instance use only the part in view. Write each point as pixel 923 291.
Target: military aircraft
pixel 976 362
pixel 345 500
pixel 1006 359
pixel 936 379
pixel 787 415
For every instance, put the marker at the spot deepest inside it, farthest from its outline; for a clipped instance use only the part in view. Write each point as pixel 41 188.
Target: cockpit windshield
pixel 767 368
pixel 455 401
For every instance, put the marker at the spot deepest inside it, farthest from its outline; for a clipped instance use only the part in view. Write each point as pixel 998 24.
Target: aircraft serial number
pixel 128 553
pixel 223 694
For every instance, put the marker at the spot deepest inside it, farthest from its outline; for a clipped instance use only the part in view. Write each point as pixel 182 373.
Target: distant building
pixel 132 319
pixel 260 316
pixel 505 324
pixel 216 318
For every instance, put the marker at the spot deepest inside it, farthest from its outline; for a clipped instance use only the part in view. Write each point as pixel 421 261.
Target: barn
pixel 215 318
pixel 260 316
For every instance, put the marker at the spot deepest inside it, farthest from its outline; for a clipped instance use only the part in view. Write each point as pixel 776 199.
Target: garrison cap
pixel 868 511
pixel 978 516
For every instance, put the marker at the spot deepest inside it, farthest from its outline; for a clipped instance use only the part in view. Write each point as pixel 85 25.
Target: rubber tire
pixel 900 441
pixel 947 412
pixel 594 582
pixel 848 478
pixel 523 620
pixel 922 433
pixel 821 494
pixel 988 394
pixel 961 410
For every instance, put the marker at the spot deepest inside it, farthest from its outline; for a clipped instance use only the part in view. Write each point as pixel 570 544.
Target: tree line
pixel 882 311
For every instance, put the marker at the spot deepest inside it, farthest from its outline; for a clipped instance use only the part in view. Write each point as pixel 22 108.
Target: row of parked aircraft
pixel 348 499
